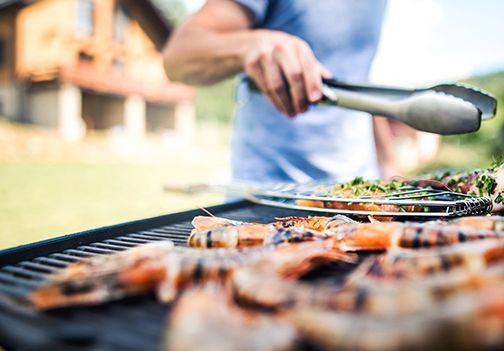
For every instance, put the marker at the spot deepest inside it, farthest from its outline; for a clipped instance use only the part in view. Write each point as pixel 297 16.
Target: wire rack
pixel 409 201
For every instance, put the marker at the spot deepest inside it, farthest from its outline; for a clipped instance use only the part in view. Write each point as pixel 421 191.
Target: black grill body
pixel 130 324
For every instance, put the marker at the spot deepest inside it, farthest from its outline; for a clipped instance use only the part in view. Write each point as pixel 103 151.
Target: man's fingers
pixel 292 70
pixel 286 71
pixel 254 71
pixel 276 87
pixel 325 72
pixel 312 73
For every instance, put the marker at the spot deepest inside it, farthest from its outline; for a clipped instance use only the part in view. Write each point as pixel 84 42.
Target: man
pixel 286 47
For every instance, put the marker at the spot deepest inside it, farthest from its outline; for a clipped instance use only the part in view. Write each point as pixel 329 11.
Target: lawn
pixel 48 188
pixel 40 200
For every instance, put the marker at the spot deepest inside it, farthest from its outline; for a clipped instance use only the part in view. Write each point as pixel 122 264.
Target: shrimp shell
pixel 159 266
pixel 205 318
pixel 382 236
pixel 252 234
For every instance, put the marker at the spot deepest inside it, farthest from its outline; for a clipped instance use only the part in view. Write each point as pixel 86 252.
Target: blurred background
pixel 91 129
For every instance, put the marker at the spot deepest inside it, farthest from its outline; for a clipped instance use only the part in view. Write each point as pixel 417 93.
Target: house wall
pixel 48 40
pixel 47 48
pixel 45 38
pixel 7 20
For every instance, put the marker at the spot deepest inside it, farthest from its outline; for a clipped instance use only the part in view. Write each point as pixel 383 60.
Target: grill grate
pixel 26 275
pixel 131 324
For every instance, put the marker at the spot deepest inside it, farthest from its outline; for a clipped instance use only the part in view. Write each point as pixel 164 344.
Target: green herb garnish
pixel 499 199
pixel 486 184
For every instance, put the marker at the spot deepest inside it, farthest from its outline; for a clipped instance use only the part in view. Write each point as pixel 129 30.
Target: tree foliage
pixel 491 133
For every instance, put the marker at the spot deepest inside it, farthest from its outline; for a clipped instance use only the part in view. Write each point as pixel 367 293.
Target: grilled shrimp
pixel 443 271
pixel 165 269
pixel 102 278
pixel 274 293
pixel 160 267
pixel 287 261
pixel 287 229
pixel 269 282
pixel 329 330
pixel 494 223
pixel 397 264
pixel 466 321
pixel 318 223
pixel 382 236
pixel 249 234
pixel 206 318
pixel 201 223
pixel 379 298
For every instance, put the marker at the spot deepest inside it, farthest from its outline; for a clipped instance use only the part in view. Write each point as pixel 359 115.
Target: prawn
pixel 287 229
pixel 206 318
pixel 159 266
pixel 398 264
pixel 465 321
pixel 386 235
pixel 165 269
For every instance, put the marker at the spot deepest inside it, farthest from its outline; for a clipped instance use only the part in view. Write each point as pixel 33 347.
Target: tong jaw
pixel 485 102
pixel 442 113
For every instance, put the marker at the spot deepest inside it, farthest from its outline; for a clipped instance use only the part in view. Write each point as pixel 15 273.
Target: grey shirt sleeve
pixel 258 8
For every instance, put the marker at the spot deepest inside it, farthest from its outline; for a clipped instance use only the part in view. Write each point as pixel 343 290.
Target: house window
pixel 2 52
pixel 85 57
pixel 121 21
pixel 85 18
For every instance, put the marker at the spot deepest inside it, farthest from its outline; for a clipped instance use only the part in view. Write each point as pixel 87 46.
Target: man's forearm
pixel 384 147
pixel 217 42
pixel 199 56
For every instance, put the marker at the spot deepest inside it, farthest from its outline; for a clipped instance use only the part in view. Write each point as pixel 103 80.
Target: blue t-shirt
pixel 324 142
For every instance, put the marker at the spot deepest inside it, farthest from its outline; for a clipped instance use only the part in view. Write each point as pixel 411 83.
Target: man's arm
pixel 384 147
pixel 218 42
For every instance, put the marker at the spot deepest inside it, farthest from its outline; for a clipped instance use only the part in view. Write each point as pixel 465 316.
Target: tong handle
pixel 355 99
pixel 376 90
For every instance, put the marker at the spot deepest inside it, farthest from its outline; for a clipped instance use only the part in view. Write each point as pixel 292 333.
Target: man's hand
pixel 285 70
pixel 218 42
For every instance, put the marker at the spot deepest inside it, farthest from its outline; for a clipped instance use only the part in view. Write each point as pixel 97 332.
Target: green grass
pixel 39 200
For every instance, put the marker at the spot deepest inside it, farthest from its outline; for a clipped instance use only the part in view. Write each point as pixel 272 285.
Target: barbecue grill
pixel 131 324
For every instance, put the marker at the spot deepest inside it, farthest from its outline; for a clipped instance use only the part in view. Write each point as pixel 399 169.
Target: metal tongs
pixel 442 109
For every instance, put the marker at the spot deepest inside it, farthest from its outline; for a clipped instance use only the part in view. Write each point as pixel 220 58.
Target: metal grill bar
pixel 80 253
pixel 12 289
pixel 96 250
pixel 17 280
pixel 37 267
pixel 146 237
pixel 51 262
pixel 133 240
pixel 125 245
pixel 109 246
pixel 65 257
pixel 164 234
pixel 24 272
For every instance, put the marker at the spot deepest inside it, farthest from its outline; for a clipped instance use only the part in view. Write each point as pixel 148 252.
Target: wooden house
pixel 79 65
